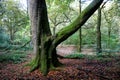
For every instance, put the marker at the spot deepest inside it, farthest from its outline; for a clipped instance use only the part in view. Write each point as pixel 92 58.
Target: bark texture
pixel 42 37
pixel 44 42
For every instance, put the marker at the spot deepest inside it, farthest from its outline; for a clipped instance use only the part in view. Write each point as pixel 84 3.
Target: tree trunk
pixel 99 49
pixel 43 47
pixel 46 59
pixel 32 10
pixel 54 29
pixel 109 35
pixel 80 31
pixel 44 42
pixel 11 34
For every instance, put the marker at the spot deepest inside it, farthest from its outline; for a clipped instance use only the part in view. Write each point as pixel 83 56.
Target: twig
pixel 104 4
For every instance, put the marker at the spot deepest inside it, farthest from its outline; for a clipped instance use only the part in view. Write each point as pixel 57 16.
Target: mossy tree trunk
pixel 42 37
pixel 44 42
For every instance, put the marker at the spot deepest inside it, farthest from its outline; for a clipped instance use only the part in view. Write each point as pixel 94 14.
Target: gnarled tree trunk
pixel 44 42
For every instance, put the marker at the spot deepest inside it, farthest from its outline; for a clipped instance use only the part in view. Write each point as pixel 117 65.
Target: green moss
pixel 34 64
pixel 44 66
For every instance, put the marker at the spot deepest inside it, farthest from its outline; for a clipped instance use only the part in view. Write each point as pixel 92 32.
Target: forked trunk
pixel 45 43
pixel 46 59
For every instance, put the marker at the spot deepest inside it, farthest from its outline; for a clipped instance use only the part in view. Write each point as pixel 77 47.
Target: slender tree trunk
pixel 11 34
pixel 80 31
pixel 99 49
pixel 27 6
pixel 109 35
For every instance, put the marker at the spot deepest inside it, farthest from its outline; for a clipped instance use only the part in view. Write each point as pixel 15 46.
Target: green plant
pixel 104 56
pixel 72 40
pixel 75 55
pixel 14 57
pixel 4 39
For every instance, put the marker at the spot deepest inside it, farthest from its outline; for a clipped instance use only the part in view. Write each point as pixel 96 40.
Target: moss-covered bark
pixel 47 59
pixel 45 42
pixel 64 33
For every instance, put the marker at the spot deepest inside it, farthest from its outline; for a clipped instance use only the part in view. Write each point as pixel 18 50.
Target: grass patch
pixel 105 56
pixel 76 56
pixel 100 57
pixel 15 57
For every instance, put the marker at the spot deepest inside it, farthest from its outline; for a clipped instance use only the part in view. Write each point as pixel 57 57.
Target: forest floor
pixel 74 69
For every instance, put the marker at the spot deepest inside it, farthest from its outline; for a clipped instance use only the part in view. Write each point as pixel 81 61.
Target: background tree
pixel 80 30
pixel 99 46
pixel 110 15
pixel 99 49
pixel 15 23
pixel 13 18
pixel 56 10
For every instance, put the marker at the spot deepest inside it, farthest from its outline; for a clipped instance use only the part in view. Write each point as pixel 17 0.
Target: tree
pixel 2 9
pixel 13 19
pixel 80 30
pixel 44 43
pixel 110 16
pixel 58 15
pixel 4 39
pixel 99 49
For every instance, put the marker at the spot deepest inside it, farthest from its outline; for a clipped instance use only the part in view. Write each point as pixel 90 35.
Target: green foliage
pixel 76 55
pixel 2 9
pixel 105 56
pixel 4 39
pixel 15 57
pixel 111 43
pixel 14 25
pixel 72 40
pixel 88 37
pixel 15 21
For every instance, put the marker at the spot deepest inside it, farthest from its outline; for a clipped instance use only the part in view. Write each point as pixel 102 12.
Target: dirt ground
pixel 74 69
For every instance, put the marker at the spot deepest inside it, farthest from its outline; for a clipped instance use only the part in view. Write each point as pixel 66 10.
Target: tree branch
pixel 64 33
pixel 102 6
pixel 67 17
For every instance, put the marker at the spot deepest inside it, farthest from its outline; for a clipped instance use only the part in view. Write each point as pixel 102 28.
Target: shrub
pixel 74 40
pixel 75 56
pixel 12 57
